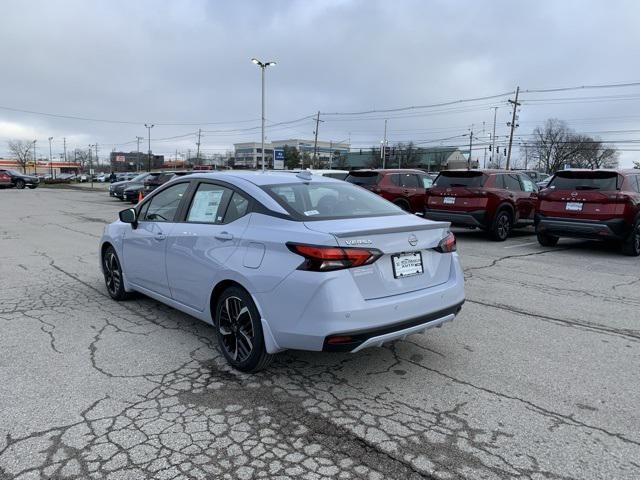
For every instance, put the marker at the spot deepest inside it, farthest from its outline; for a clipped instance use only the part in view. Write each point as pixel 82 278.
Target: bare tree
pixel 82 157
pixel 555 145
pixel 636 164
pixel 21 150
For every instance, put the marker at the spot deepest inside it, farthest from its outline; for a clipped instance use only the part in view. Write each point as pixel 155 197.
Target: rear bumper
pixel 576 228
pixel 335 307
pixel 476 218
pixel 376 337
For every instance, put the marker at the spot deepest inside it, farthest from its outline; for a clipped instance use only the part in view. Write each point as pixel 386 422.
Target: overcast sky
pixel 188 62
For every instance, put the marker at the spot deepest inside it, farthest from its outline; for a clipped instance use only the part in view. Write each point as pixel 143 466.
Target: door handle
pixel 223 236
pixel 160 236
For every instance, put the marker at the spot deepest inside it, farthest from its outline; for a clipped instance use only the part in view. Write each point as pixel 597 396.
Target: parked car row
pixel 132 189
pixel 590 204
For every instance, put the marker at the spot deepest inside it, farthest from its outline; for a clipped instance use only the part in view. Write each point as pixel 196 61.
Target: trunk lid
pixel 392 235
pixel 589 195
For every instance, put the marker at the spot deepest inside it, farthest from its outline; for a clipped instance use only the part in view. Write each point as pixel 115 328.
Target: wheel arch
pixel 269 339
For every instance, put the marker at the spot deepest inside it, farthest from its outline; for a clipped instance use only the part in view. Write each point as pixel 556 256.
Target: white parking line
pixel 521 245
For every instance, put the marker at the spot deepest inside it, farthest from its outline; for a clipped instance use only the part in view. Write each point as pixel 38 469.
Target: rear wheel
pixel 240 333
pixel 501 226
pixel 547 240
pixel 631 246
pixel 113 275
pixel 20 184
pixel 403 205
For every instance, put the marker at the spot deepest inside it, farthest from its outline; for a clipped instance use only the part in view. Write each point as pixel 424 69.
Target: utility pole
pixel 263 66
pixel 470 148
pixel 330 153
pixel 91 165
pixel 315 142
pixel 35 158
pixel 64 146
pixel 138 150
pixel 493 137
pixel 149 127
pixel 513 126
pixel 384 145
pixel 50 159
pixel 97 159
pixel 198 143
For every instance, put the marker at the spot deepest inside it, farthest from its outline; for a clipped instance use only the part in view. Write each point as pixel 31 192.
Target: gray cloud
pixel 188 62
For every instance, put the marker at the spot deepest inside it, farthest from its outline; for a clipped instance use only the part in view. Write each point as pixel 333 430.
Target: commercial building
pixel 134 161
pixel 249 155
pixel 42 167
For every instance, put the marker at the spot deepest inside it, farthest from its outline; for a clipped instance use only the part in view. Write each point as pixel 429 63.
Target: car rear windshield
pixel 329 200
pixel 585 181
pixel 363 178
pixel 460 179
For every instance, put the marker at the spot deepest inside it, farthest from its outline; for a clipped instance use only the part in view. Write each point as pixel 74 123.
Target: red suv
pixel 404 187
pixel 492 200
pixel 592 204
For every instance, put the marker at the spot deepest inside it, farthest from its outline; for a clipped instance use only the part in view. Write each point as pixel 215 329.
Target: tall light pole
pixel 263 66
pixel 50 160
pixel 138 150
pixel 149 127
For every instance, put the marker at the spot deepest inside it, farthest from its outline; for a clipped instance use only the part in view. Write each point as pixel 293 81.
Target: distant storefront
pixel 134 161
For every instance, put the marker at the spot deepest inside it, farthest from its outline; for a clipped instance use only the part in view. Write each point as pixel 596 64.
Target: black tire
pixel 113 275
pixel 20 184
pixel 403 205
pixel 239 331
pixel 631 245
pixel 501 225
pixel 547 240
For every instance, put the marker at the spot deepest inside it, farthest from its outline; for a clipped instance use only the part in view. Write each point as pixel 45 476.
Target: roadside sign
pixel 278 159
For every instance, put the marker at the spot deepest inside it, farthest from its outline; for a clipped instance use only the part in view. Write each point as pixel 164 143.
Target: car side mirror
pixel 129 216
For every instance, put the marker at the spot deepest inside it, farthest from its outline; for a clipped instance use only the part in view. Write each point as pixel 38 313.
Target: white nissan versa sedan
pixel 283 260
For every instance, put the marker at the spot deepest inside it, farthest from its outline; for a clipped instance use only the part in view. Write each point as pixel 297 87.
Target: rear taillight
pixel 320 258
pixel 447 244
pixel 619 197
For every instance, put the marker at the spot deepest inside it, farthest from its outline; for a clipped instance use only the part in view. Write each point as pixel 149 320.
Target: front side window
pixel 163 206
pixel 511 182
pixel 207 204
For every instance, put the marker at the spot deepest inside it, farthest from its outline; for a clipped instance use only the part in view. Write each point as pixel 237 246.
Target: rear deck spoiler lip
pixel 407 228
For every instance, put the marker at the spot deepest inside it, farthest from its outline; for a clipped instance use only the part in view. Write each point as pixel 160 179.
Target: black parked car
pixel 20 180
pixel 150 184
pixel 132 189
pixel 116 189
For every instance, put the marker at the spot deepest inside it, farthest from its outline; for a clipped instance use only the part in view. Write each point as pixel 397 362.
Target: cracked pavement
pixel 537 378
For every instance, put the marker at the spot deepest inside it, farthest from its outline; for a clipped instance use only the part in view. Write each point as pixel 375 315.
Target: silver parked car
pixel 285 261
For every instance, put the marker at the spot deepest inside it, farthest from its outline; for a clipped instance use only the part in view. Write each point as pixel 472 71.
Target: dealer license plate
pixel 574 206
pixel 449 200
pixel 407 264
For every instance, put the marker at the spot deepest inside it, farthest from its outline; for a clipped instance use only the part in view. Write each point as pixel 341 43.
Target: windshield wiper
pixel 586 187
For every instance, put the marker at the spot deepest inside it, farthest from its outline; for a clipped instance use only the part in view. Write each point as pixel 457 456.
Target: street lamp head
pixel 269 64
pixel 256 61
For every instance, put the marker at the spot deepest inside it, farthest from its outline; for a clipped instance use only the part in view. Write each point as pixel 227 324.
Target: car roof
pixel 259 178
pixel 388 170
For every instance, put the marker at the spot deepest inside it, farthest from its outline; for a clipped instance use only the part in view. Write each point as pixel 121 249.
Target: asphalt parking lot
pixel 539 376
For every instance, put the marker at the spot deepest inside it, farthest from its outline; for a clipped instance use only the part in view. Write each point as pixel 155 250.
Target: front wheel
pixel 20 184
pixel 501 226
pixel 631 246
pixel 240 333
pixel 113 275
pixel 547 240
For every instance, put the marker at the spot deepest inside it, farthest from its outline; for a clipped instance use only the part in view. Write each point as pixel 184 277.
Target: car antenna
pixel 304 175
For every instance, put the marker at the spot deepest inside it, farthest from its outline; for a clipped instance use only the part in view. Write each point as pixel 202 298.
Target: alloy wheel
pixel 236 327
pixel 112 273
pixel 503 226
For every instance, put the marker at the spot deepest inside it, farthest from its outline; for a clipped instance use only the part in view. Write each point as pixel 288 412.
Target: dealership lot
pixel 537 378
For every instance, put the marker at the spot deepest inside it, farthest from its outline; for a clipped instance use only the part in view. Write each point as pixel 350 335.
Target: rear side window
pixel 460 179
pixel 409 180
pixel 527 184
pixel 163 206
pixel 237 208
pixel 585 181
pixel 395 179
pixel 363 178
pixel 511 182
pixel 427 182
pixel 635 183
